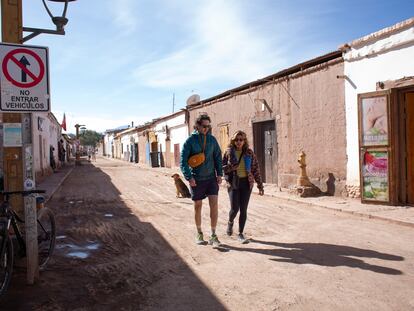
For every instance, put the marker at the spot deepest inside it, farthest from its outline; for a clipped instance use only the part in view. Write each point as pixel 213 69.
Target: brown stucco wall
pixel 309 110
pixel 142 142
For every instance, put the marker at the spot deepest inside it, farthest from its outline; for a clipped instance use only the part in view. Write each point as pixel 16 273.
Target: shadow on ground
pixel 321 254
pixel 106 258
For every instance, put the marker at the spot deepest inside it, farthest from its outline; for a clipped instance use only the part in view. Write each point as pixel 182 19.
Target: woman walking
pixel 241 170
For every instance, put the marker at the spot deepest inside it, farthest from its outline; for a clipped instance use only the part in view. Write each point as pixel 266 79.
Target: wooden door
pixel 409 140
pixel 270 151
pixel 136 153
pixel 265 146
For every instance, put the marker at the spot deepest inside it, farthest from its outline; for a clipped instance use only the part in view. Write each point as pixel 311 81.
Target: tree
pixel 90 138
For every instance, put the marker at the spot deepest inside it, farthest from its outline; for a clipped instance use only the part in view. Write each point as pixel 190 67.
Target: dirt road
pixel 126 243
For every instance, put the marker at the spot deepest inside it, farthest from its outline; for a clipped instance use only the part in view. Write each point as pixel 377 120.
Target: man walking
pixel 204 174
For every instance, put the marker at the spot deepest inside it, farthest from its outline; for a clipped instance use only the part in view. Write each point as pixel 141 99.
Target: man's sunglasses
pixel 205 126
pixel 239 139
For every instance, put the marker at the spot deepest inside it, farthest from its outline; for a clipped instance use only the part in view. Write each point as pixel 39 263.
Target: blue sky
pixel 122 60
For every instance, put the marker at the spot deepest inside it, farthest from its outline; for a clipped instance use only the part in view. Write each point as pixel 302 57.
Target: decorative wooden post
pixel 304 187
pixel 303 179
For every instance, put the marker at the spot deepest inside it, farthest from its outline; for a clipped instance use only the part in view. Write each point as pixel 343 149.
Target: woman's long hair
pixel 232 143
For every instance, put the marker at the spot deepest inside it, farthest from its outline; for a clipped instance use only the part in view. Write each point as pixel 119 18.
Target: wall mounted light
pixel 59 21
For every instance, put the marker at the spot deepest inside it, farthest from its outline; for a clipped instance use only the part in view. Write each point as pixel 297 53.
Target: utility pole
pixel 173 102
pixel 15 169
pixel 77 153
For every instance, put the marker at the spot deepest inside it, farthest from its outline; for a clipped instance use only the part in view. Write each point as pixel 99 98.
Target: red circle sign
pixel 10 57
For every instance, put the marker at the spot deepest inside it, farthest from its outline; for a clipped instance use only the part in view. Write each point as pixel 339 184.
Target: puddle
pixel 78 251
pixel 94 246
pixel 71 202
pixel 79 201
pixel 81 255
pixel 109 215
pixel 62 246
pixel 61 237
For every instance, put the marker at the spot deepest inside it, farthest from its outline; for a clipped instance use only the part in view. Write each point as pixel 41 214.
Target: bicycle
pixel 46 235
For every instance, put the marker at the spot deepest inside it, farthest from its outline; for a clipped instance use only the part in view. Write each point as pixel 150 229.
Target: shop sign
pixel 375 176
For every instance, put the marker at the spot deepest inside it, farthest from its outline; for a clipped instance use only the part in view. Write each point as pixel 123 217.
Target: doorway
pixel 409 146
pixel 265 145
pixel 386 141
pixel 136 153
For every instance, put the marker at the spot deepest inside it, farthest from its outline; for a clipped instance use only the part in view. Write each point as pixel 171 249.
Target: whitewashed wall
pixel 178 136
pixel 178 131
pixel 366 63
pixel 109 141
pixel 126 142
pixel 50 131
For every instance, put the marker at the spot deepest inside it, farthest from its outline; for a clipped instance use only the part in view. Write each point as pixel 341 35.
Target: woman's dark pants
pixel 239 200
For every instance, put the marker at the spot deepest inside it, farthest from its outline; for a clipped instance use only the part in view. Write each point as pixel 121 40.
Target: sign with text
pixel 12 135
pixel 374 121
pixel 375 175
pixel 24 79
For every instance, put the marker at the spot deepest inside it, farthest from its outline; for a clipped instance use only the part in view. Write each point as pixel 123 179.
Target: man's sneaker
pixel 242 239
pixel 200 238
pixel 214 241
pixel 229 228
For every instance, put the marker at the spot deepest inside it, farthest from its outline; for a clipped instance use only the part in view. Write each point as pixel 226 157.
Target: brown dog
pixel 182 190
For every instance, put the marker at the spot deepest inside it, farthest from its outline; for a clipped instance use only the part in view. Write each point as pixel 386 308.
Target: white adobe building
pixel 171 132
pixel 378 76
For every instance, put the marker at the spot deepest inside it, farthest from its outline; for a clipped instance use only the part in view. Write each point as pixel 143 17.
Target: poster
pixel 1 154
pixel 12 135
pixel 375 176
pixel 374 121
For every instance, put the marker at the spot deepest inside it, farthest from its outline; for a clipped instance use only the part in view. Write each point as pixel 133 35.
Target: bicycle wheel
pixel 46 236
pixel 6 265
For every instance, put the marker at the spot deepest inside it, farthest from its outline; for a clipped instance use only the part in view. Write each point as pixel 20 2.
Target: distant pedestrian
pixel 52 157
pixel 61 151
pixel 89 153
pixel 94 154
pixel 241 170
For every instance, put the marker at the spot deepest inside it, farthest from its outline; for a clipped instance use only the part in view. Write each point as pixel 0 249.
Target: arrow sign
pixel 24 79
pixel 35 75
pixel 25 63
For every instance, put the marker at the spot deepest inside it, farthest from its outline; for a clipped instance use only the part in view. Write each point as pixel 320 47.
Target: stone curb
pixel 354 213
pixel 55 189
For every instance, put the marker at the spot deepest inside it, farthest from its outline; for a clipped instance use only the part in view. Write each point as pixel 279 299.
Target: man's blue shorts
pixel 204 188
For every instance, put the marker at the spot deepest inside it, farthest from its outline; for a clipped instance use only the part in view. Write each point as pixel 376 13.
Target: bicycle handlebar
pixel 23 193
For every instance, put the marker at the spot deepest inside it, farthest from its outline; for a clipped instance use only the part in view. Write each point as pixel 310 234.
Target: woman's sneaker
pixel 200 239
pixel 242 239
pixel 214 241
pixel 229 228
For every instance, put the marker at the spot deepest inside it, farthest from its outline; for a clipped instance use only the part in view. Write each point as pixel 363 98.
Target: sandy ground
pixel 126 243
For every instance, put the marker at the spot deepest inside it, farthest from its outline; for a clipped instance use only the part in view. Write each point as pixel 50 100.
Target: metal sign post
pixel 30 210
pixel 30 217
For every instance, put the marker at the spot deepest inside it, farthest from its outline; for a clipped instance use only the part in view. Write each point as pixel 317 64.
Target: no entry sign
pixel 24 79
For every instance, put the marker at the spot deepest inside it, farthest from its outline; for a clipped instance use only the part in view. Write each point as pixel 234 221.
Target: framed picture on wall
pixel 374 121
